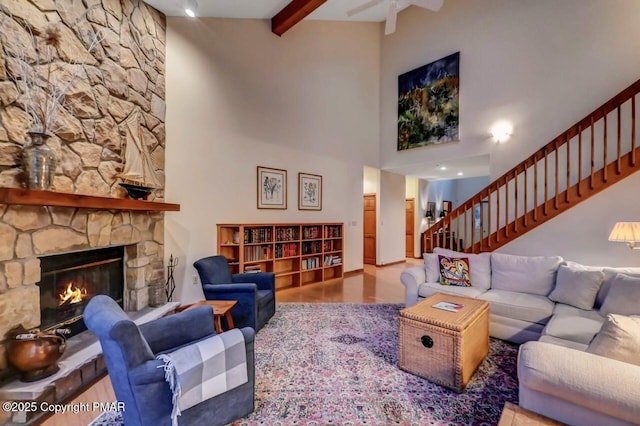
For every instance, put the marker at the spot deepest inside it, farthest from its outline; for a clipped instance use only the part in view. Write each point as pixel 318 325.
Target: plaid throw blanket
pixel 205 369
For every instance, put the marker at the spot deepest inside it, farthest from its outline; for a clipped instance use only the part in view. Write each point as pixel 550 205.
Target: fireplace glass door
pixel 69 281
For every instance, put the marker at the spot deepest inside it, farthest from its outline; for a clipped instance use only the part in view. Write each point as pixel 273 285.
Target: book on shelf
pixel 448 306
pixel 252 269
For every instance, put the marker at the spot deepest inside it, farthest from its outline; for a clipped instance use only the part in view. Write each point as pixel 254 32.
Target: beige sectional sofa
pixel 562 313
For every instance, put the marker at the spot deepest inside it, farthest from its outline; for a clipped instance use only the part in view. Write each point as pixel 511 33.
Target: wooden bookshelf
pixel 61 199
pixel 298 253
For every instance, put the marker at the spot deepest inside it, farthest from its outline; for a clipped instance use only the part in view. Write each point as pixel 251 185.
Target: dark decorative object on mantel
pixel 36 353
pixel 170 286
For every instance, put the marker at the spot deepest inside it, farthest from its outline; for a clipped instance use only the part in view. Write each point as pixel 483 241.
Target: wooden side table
pixel 221 308
pixel 514 415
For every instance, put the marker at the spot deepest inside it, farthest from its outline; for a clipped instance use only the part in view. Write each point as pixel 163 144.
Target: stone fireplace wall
pixel 125 72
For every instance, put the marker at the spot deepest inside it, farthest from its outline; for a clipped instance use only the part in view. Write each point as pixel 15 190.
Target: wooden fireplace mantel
pixel 60 199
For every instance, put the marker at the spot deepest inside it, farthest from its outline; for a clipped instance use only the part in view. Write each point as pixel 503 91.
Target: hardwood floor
pixel 372 285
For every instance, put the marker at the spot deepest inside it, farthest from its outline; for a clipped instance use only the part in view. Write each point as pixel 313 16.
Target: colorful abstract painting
pixel 428 104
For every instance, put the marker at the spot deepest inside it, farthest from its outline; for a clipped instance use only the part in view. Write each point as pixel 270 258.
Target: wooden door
pixel 369 227
pixel 409 227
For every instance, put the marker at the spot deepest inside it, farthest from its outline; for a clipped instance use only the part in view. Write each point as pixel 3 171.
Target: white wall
pixel 542 65
pixel 392 220
pixel 238 97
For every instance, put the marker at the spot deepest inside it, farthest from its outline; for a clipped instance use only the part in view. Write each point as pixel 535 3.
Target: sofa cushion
pixel 623 296
pixel 479 266
pixel 521 306
pixel 576 287
pixel 609 275
pixel 618 339
pixel 562 342
pixel 429 289
pixel 431 267
pixel 524 274
pixel 454 271
pixel 573 324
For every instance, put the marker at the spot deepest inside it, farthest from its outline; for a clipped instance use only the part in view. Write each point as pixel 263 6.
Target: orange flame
pixel 72 294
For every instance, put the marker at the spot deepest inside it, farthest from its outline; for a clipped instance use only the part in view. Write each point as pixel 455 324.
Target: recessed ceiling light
pixel 460 173
pixel 190 8
pixel 443 167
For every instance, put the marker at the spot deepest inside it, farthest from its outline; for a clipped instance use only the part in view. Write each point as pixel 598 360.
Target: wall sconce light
pixel 443 213
pixel 501 131
pixel 626 232
pixel 428 214
pixel 190 8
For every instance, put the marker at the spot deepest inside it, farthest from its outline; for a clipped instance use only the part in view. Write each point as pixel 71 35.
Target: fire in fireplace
pixel 70 280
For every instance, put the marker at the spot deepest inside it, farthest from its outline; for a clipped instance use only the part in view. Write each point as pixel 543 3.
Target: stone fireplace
pixel 124 72
pixel 32 232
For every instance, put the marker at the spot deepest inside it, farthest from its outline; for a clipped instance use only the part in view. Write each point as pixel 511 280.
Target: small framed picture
pixel 272 188
pixel 309 192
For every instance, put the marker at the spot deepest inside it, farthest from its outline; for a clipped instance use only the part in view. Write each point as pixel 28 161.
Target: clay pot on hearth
pixel 36 357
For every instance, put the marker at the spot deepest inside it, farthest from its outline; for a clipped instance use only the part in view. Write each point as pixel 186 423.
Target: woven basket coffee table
pixel 441 346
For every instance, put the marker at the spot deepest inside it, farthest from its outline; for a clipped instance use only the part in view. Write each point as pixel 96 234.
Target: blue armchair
pixel 130 354
pixel 255 292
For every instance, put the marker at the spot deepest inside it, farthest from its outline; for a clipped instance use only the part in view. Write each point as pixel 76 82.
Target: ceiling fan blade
pixel 390 25
pixel 434 5
pixel 363 6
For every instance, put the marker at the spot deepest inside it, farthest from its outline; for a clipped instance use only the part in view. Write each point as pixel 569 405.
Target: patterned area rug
pixel 322 364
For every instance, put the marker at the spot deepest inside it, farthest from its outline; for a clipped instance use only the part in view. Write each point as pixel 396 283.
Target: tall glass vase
pixel 39 162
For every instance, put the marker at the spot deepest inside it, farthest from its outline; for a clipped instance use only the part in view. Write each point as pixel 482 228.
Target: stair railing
pixel 589 156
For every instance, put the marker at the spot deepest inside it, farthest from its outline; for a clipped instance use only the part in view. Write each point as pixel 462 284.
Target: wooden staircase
pixel 593 154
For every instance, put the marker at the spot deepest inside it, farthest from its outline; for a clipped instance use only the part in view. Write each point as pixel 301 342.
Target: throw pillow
pixel 479 265
pixel 524 274
pixel 577 287
pixel 454 271
pixel 619 338
pixel 609 275
pixel 623 297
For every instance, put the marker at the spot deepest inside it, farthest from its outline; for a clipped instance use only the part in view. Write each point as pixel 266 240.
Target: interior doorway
pixel 409 227
pixel 369 229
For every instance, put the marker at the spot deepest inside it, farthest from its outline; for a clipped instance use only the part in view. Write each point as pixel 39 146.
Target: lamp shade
pixel 626 232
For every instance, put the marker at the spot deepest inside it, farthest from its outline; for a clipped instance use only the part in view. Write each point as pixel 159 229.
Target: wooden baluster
pixel 506 207
pixel 458 230
pixel 466 235
pixel 604 151
pixel 557 178
pixel 515 202
pixel 488 222
pixel 593 144
pixel 546 180
pixel 498 214
pixel 633 130
pixel 618 164
pixel 526 182
pixel 535 189
pixel 566 192
pixel 480 234
pixel 450 227
pixel 579 160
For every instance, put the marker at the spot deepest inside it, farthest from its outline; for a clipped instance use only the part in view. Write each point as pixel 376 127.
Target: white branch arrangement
pixel 42 82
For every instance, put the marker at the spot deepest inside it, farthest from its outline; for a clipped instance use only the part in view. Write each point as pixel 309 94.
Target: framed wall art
pixel 428 99
pixel 309 192
pixel 272 188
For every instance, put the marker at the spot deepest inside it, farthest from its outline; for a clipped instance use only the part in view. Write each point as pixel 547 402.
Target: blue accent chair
pixel 130 354
pixel 255 292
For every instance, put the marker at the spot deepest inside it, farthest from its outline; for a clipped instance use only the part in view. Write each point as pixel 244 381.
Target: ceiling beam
pixel 293 13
